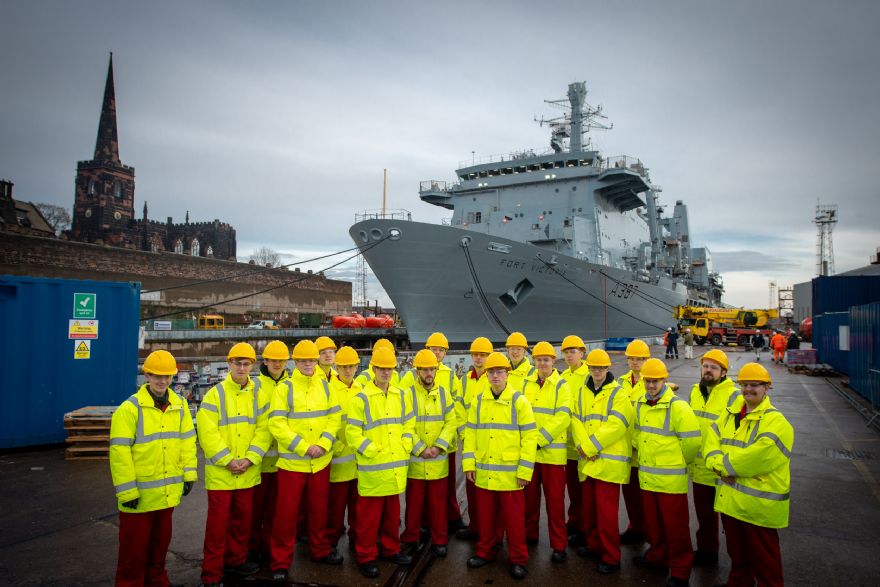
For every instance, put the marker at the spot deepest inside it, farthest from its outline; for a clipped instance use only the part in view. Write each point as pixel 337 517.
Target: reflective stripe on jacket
pixel 435 426
pixel 580 413
pixel 667 436
pixel 232 425
pixel 634 392
pixel 266 393
pixel 575 379
pixel 305 412
pixel 343 466
pixel 721 397
pixel 380 427
pixel 445 377
pixel 758 455
pixel 319 373
pixel 470 389
pixel 518 374
pixel 551 406
pixel 152 452
pixel 367 375
pixel 500 440
pixel 603 428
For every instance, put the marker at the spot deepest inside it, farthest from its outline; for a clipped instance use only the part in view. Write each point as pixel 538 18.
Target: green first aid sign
pixel 84 305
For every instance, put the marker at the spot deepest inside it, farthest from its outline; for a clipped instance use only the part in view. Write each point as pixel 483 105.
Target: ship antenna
pixel 578 119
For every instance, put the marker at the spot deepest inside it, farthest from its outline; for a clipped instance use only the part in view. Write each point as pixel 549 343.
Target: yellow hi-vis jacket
pixel 380 428
pixel 757 454
pixel 152 452
pixel 575 379
pixel 500 440
pixel 470 389
pixel 551 406
pixel 445 377
pixel 305 412
pixel 603 427
pixel 634 392
pixel 581 400
pixel 667 436
pixel 435 426
pixel 367 375
pixel 343 466
pixel 519 373
pixel 319 372
pixel 708 411
pixel 266 393
pixel 233 425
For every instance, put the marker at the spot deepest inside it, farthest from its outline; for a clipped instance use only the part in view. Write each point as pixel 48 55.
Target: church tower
pixel 103 206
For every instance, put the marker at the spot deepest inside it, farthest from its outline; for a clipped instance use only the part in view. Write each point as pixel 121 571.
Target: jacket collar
pixel 591 385
pixel 756 414
pixel 231 385
pixel 145 398
pixel 665 396
pixel 505 397
pixel 372 389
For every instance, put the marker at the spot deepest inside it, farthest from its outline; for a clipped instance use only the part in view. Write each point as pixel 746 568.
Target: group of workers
pixel 288 454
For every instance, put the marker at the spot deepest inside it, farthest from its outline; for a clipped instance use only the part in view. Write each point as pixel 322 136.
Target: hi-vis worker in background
pixel 709 399
pixel 326 357
pixel 573 350
pixel 637 352
pixel 343 468
pixel 667 436
pixel 517 346
pixel 601 430
pixel 152 462
pixel 749 449
pixel 548 395
pixel 305 419
pixel 435 432
pixel 380 428
pixel 368 374
pixel 272 372
pixel 233 433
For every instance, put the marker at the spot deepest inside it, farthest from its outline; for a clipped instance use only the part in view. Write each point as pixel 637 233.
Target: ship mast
pixel 578 118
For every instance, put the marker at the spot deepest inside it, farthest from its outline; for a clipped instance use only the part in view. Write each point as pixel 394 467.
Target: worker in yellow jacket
pixel 368 374
pixel 273 371
pixel 499 458
pixel 709 399
pixel 380 427
pixel 435 432
pixel 749 449
pixel 637 352
pixel 305 420
pixel 573 351
pixel 343 467
pixel 667 436
pixel 548 395
pixel 326 357
pixel 601 431
pixel 152 463
pixel 517 347
pixel 233 433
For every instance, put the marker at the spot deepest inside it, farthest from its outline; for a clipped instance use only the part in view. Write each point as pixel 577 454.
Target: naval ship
pixel 566 241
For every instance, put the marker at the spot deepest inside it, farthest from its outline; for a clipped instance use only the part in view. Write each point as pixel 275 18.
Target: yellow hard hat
pixel 638 349
pixel 481 345
pixel 517 339
pixel 384 343
pixel 718 356
pixel 347 356
pixel 305 349
pixel 572 342
pixel 496 361
pixel 425 359
pixel 325 342
pixel 383 358
pixel 598 358
pixel 753 372
pixel 654 369
pixel 160 363
pixel 437 339
pixel 242 350
pixel 543 349
pixel 276 350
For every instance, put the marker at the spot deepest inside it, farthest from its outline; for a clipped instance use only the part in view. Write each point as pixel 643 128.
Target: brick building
pixel 103 209
pixel 21 217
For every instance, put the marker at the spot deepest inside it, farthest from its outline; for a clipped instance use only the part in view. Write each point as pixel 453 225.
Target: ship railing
pixel 501 157
pixel 379 214
pixel 624 162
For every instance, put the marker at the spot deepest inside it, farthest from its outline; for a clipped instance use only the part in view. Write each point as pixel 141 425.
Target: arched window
pixel 91 187
pixel 210 251
pixel 154 243
pixel 178 246
pixel 117 189
pixel 194 247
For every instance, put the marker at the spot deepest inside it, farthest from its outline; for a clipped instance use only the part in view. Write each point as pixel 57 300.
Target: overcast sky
pixel 279 117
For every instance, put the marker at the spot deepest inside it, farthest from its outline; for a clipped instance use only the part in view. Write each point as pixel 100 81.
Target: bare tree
pixel 57 216
pixel 265 257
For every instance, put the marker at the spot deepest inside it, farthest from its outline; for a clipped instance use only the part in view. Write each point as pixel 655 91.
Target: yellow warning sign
pixel 82 329
pixel 82 349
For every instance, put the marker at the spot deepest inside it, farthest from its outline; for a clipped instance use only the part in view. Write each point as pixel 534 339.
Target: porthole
pixel 375 234
pixel 394 234
pixel 364 236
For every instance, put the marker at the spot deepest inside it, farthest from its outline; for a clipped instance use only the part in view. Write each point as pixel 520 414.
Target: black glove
pixel 187 487
pixel 131 504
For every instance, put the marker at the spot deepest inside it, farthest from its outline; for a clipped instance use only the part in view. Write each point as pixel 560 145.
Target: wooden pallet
pixel 88 433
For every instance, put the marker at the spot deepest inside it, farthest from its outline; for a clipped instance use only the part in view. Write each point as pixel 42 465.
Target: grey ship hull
pixel 426 273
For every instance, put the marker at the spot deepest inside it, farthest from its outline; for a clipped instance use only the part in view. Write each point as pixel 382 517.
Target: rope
pixel 484 301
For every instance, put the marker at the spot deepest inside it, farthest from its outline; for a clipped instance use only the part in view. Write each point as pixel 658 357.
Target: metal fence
pixel 864 352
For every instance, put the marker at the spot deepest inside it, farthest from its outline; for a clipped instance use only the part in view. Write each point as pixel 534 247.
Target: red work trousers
pixel 377 518
pixel 667 530
pixel 428 497
pixel 265 495
pixel 550 478
pixel 509 507
pixel 143 544
pixel 471 492
pixel 575 495
pixel 632 497
pixel 292 485
pixel 754 554
pixel 707 517
pixel 601 502
pixel 227 530
pixel 343 496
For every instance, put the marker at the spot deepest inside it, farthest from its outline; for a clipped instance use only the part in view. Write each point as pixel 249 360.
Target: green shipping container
pixel 310 320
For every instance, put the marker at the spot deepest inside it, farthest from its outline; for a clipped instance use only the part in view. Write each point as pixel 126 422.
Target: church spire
pixel 107 145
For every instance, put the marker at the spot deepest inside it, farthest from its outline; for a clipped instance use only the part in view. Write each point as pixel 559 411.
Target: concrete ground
pixel 61 525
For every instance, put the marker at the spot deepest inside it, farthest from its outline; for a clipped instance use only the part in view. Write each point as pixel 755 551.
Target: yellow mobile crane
pixel 724 325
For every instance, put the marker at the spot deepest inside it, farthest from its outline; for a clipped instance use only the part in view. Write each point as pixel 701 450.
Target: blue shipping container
pixel 42 379
pixel 864 353
pixel 840 293
pixel 826 339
